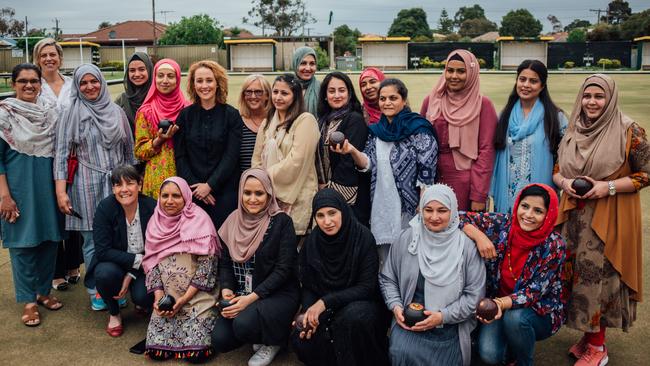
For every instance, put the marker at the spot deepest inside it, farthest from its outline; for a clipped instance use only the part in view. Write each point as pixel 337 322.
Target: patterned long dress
pixel 189 330
pixel 160 162
pixel 598 296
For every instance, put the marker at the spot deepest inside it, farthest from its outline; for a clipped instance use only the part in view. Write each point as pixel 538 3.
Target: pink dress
pixel 473 184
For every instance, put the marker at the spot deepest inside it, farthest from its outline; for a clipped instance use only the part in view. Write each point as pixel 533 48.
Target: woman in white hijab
pixel 435 264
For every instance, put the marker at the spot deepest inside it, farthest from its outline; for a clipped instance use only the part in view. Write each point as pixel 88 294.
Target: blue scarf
pixel 404 124
pixel 540 158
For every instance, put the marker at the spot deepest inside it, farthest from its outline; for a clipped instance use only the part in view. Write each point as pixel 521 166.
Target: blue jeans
pixel 514 334
pixel 88 250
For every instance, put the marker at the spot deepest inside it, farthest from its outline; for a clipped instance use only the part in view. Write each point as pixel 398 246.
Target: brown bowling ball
pixel 337 138
pixel 487 309
pixel 299 319
pixel 581 186
pixel 414 313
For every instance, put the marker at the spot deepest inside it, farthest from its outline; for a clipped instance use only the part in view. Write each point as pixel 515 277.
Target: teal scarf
pixel 312 86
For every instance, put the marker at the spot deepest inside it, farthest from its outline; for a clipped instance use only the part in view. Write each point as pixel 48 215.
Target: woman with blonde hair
pixel 254 106
pixel 207 143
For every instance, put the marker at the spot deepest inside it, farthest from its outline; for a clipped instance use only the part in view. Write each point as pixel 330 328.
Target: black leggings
pixel 108 279
pixel 68 256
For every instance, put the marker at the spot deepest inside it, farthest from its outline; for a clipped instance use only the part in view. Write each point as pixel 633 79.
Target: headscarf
pixel 191 231
pixel 372 108
pixel 29 128
pixel 439 253
pixel 102 112
pixel 597 150
pixel 404 124
pixel 521 242
pixel 243 232
pixel 334 257
pixel 135 94
pixel 158 106
pixel 310 86
pixel 461 110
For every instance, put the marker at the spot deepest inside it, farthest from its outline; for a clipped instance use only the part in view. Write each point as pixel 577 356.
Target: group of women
pixel 171 199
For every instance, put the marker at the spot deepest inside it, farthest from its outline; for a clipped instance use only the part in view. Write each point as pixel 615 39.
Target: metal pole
pixel 123 58
pixel 153 10
pixel 81 52
pixel 26 43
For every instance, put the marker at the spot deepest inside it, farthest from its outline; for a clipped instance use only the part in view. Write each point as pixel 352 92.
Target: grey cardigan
pixel 398 279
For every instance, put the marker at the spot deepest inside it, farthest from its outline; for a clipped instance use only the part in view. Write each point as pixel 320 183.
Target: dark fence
pixel 438 51
pixel 560 52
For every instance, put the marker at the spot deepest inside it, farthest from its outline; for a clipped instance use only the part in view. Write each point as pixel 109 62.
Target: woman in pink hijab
pixel 369 81
pixel 153 144
pixel 180 261
pixel 465 122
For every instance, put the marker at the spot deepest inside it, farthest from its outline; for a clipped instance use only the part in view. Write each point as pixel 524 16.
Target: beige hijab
pixel 597 150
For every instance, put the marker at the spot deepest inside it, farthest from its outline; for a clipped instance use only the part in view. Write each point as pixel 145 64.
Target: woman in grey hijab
pixel 435 264
pixel 97 131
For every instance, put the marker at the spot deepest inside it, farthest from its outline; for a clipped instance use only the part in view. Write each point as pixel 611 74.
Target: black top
pixel 109 234
pixel 248 138
pixel 355 130
pixel 275 261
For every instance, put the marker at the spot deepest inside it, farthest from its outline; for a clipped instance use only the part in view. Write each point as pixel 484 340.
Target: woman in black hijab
pixel 137 81
pixel 345 322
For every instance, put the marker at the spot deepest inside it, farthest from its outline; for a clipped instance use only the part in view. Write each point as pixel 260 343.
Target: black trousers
pixel 68 255
pixel 108 279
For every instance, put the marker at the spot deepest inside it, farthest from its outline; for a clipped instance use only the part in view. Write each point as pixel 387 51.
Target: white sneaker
pixel 256 347
pixel 264 356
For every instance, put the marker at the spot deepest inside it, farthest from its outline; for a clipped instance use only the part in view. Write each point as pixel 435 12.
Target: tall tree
pixel 410 23
pixel 520 23
pixel 468 12
pixel 618 11
pixel 104 24
pixel 284 17
pixel 197 29
pixel 637 25
pixel 577 35
pixel 445 24
pixel 577 23
pixel 475 27
pixel 345 39
pixel 604 32
pixel 555 23
pixel 8 25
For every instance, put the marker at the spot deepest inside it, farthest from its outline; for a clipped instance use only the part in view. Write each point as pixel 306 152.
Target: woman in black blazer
pixel 257 272
pixel 119 234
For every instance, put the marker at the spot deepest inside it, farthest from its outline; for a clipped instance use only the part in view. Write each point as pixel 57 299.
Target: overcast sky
pixel 369 16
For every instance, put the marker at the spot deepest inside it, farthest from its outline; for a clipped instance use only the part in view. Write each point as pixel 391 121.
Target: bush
pixel 482 63
pixel 616 64
pixel 569 64
pixel 605 63
pixel 117 65
pixel 323 60
pixel 426 63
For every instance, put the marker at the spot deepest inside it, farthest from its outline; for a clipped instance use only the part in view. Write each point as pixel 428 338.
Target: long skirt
pixel 437 346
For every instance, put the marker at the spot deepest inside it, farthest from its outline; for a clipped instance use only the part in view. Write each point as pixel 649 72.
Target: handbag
pixel 73 164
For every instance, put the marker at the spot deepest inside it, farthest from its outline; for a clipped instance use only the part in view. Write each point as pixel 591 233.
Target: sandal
pixel 60 286
pixel 31 317
pixel 73 278
pixel 49 302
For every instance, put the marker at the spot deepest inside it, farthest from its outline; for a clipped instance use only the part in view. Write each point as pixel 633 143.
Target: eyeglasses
pixel 30 81
pixel 258 93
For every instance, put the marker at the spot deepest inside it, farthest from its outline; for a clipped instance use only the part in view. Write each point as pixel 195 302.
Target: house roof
pixel 243 34
pixel 7 42
pixel 142 30
pixel 559 36
pixel 486 37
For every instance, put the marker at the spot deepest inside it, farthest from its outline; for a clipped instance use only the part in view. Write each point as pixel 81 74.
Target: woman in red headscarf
pixel 524 274
pixel 153 144
pixel 465 122
pixel 369 82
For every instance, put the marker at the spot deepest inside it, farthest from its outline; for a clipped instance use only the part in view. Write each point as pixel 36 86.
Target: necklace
pixel 512 273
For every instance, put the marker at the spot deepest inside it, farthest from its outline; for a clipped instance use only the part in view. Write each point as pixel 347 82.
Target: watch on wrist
pixel 612 187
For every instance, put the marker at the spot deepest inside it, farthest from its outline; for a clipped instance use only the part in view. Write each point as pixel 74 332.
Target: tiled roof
pixel 140 29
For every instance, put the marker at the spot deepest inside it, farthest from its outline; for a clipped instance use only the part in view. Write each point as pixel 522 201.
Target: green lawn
pixel 75 335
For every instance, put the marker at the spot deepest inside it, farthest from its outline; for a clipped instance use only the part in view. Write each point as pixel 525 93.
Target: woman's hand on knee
pixel 126 282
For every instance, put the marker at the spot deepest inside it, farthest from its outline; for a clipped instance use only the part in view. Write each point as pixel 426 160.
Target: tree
pixel 198 29
pixel 322 59
pixel 475 27
pixel 577 35
pixel 283 16
pixel 617 12
pixel 555 23
pixel 104 24
pixel 410 23
pixel 8 25
pixel 520 23
pixel 637 25
pixel 345 39
pixel 604 32
pixel 445 24
pixel 577 23
pixel 468 12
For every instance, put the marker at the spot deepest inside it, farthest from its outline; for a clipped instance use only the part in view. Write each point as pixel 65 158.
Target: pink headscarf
pixel 461 110
pixel 243 232
pixel 158 106
pixel 191 231
pixel 371 108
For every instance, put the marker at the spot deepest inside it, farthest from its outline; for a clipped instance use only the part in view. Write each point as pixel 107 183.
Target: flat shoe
pixel 31 317
pixel 49 302
pixel 73 279
pixel 61 286
pixel 116 331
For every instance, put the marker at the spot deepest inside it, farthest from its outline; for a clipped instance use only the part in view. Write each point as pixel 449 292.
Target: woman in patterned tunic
pixel 529 131
pixel 98 131
pixel 401 154
pixel 603 228
pixel 153 145
pixel 525 279
pixel 181 251
pixel 257 272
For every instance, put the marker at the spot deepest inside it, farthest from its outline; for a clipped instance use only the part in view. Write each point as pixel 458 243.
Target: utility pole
pixel 164 14
pixel 56 28
pixel 153 10
pixel 26 42
pixel 598 16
